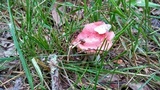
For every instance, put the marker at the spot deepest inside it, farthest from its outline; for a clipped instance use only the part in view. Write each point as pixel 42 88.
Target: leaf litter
pixel 7 50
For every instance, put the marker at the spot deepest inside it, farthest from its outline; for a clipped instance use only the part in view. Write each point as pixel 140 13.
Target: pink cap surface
pixel 90 39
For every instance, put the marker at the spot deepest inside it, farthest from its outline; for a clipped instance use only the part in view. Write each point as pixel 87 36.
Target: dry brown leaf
pixel 56 17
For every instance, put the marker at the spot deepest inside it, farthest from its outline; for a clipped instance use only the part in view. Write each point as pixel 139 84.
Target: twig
pixel 12 79
pixel 47 85
pixel 54 72
pixel 67 76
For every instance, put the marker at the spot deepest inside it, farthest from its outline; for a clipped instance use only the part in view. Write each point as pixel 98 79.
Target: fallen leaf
pixel 56 17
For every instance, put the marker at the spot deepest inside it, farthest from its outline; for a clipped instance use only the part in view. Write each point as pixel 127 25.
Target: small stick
pixel 53 62
pixel 67 76
pixel 12 78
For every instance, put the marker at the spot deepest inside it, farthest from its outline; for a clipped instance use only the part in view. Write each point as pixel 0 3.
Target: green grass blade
pixel 151 77
pixel 23 61
pixel 124 29
pixel 7 59
pixel 142 3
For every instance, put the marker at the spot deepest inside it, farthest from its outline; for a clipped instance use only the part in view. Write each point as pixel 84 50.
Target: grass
pixel 36 35
pixel 21 56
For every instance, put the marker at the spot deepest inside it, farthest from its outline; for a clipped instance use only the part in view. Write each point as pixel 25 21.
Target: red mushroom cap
pixel 94 36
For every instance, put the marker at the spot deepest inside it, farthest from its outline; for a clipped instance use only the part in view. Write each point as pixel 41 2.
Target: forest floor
pixel 31 31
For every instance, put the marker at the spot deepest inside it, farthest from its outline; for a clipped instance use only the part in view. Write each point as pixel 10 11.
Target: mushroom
pixel 94 36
